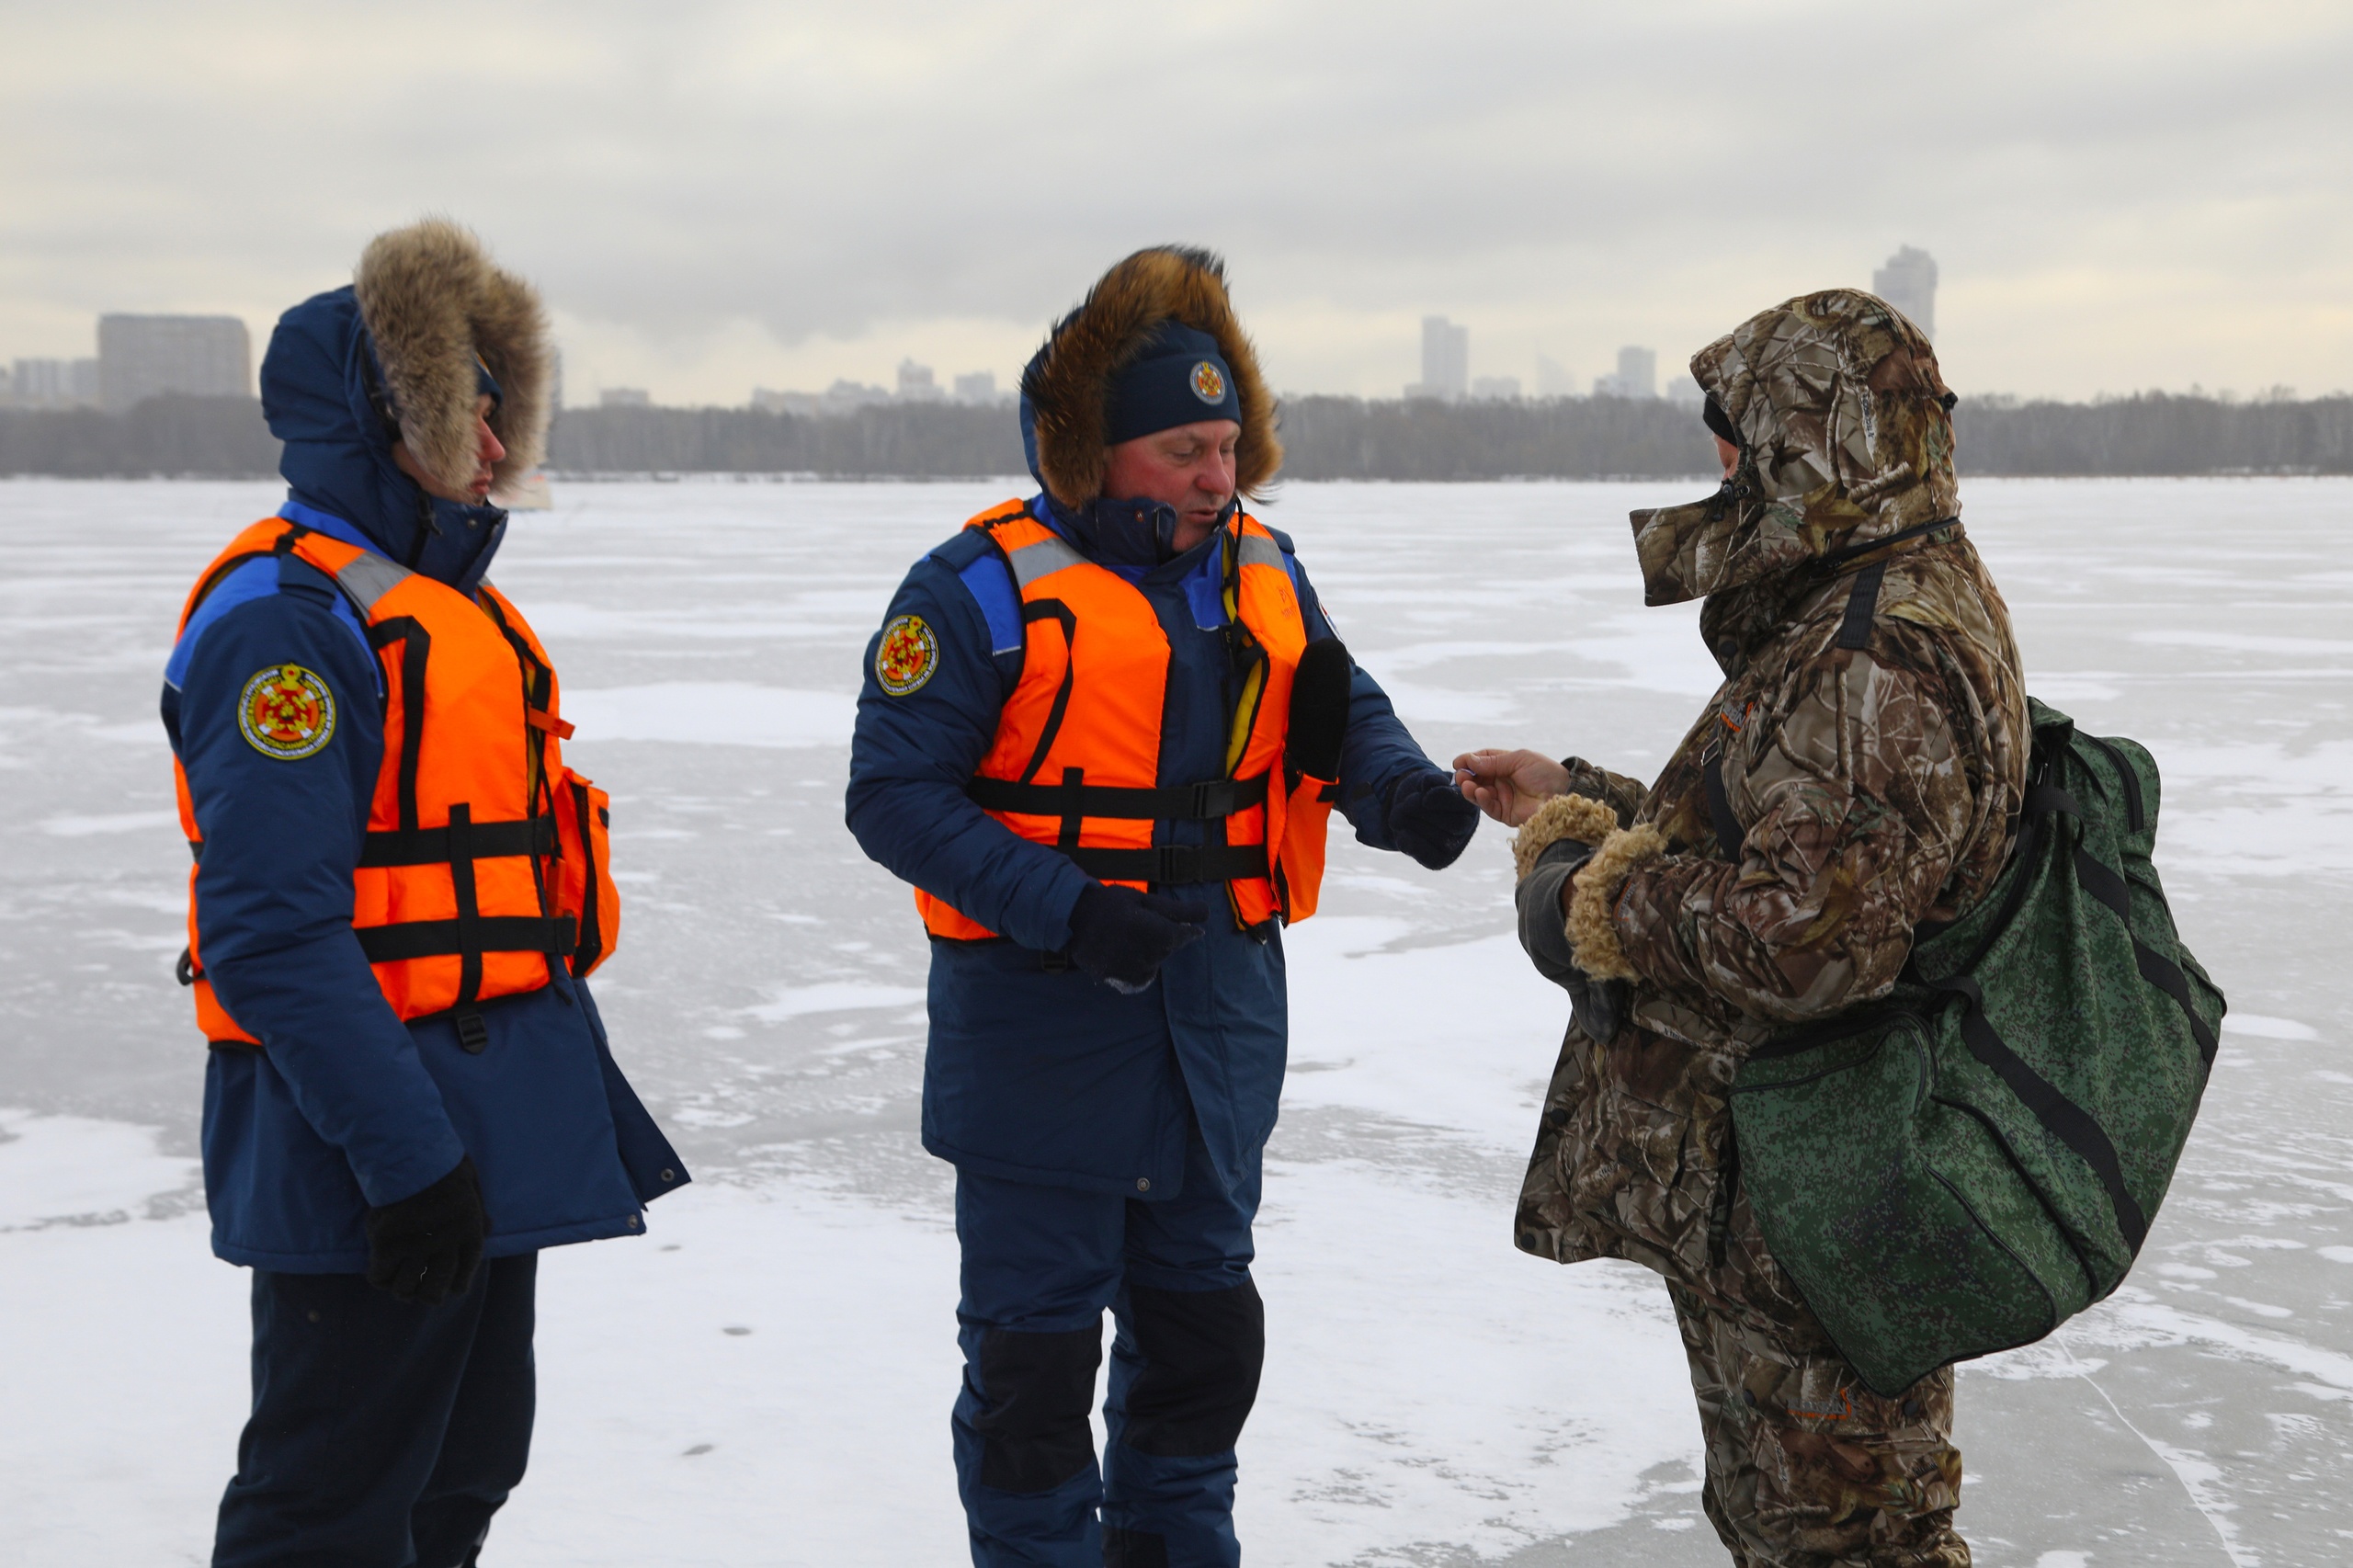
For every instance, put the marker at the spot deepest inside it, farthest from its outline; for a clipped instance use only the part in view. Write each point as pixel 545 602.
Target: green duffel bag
pixel 1964 1165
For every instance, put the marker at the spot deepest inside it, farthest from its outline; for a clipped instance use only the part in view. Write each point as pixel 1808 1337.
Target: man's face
pixel 1189 468
pixel 487 451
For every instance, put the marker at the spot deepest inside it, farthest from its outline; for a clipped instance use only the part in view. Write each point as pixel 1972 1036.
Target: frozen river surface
pixel 766 1380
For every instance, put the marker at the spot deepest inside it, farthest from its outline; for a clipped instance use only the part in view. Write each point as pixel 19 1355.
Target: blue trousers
pixel 383 1434
pixel 1040 1265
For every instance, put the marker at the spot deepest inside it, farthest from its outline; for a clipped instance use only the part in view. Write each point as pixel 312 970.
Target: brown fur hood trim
pixel 1067 383
pixel 432 300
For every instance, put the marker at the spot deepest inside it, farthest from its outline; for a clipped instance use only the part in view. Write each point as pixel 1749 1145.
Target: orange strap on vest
pixel 485 861
pixel 1076 757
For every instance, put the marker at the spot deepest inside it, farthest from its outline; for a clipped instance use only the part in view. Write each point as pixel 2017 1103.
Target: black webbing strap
pixel 1174 863
pixel 2042 800
pixel 2105 885
pixel 461 882
pixel 1902 536
pixel 2060 1116
pixel 1730 835
pixel 495 933
pixel 430 846
pixel 1185 802
pixel 592 927
pixel 416 650
pixel 1862 602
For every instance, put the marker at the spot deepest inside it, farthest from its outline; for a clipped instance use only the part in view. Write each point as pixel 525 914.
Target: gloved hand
pixel 1597 1007
pixel 1123 936
pixel 426 1246
pixel 1428 818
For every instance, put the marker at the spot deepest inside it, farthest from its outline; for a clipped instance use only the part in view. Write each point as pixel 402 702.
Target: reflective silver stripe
pixel 367 577
pixel 1259 550
pixel 1033 561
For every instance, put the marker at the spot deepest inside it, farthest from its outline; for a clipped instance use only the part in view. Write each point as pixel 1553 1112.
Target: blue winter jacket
pixel 1040 1074
pixel 349 1107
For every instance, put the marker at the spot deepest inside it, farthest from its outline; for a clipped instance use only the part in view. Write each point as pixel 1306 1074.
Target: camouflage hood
pixel 1844 435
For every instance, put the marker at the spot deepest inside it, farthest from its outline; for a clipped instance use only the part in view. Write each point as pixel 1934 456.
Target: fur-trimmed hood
pixel 433 302
pixel 1064 389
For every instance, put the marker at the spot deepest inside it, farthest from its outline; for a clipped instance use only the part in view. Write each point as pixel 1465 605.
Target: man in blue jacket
pixel 1106 1059
pixel 388 1164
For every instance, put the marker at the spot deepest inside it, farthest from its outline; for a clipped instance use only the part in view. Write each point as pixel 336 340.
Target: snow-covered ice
pixel 765 1379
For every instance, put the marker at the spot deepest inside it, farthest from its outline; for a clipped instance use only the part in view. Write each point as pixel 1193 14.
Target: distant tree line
pixel 1326 437
pixel 933 440
pixel 196 438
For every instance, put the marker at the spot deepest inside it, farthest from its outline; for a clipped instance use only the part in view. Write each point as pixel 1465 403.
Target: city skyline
pixel 191 353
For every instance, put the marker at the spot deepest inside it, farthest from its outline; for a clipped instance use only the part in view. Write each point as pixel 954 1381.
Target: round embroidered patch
pixel 1208 385
pixel 285 712
pixel 907 655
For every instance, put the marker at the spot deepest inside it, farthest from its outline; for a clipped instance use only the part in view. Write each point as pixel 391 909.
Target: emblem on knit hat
pixel 1208 385
pixel 905 657
pixel 287 712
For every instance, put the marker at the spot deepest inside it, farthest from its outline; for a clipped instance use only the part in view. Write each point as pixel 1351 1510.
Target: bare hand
pixel 1508 784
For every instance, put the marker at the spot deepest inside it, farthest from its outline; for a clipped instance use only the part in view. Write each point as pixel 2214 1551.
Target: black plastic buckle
pixel 473 1034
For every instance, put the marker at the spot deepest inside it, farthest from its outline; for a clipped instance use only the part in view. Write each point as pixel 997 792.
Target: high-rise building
pixel 979 388
pixel 1495 389
pixel 1553 377
pixel 1908 282
pixel 55 383
pixel 144 357
pixel 1637 375
pixel 624 397
pixel 1446 360
pixel 846 396
pixel 1638 372
pixel 916 383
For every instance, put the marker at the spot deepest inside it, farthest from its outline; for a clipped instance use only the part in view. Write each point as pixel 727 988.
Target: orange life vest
pixel 485 859
pixel 1076 758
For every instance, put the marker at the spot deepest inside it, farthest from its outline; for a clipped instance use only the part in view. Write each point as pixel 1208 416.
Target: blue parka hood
pixel 315 393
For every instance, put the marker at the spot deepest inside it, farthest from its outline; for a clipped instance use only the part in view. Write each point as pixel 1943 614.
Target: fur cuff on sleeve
pixel 1563 816
pixel 1593 937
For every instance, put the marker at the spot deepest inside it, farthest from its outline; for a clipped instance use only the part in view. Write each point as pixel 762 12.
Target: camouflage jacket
pixel 1873 754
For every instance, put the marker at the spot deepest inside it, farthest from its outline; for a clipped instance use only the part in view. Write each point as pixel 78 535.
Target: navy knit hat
pixel 1180 379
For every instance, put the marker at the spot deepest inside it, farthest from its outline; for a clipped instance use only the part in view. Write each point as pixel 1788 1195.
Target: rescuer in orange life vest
pixel 398 890
pixel 1102 730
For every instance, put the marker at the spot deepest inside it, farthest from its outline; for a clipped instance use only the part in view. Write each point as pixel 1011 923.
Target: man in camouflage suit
pixel 1868 745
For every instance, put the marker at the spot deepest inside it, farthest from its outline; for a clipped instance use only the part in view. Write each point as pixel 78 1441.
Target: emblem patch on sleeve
pixel 285 712
pixel 908 653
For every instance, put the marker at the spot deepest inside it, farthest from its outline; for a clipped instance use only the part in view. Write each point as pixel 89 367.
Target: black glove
pixel 425 1247
pixel 1319 709
pixel 1123 936
pixel 1428 818
pixel 1597 1007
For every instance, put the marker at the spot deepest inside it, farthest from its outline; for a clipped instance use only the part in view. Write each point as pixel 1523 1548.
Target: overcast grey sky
pixel 713 196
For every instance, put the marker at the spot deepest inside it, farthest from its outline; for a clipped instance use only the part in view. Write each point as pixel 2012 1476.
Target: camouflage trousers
pixel 1806 1467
